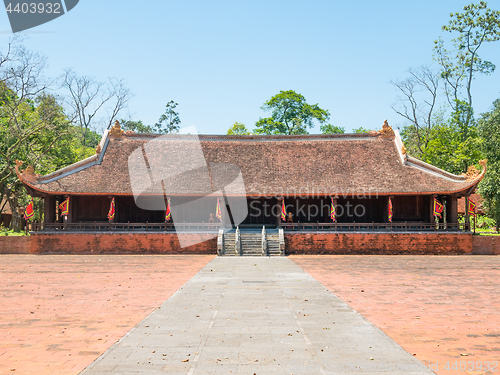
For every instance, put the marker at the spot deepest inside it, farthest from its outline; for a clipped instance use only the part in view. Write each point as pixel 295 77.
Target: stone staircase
pixel 229 245
pixel 247 242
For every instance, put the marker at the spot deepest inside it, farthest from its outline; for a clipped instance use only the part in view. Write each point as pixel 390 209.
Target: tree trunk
pixel 15 223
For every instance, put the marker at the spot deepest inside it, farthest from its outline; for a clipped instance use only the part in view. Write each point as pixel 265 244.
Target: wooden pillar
pixel 453 217
pixel 49 209
pixel 71 217
pixel 467 216
pixel 432 219
pixel 280 202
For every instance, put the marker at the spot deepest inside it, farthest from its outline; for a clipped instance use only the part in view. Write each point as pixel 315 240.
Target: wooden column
pixel 467 216
pixel 453 217
pixel 280 202
pixel 432 219
pixel 49 209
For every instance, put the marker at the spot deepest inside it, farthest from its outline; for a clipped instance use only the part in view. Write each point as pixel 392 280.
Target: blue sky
pixel 221 60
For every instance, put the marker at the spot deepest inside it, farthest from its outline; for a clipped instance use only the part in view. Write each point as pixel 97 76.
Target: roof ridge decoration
pixel 116 131
pixel 387 131
pixel 473 173
pixel 29 172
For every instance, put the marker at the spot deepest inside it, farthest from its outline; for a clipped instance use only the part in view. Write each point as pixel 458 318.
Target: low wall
pixel 121 243
pixel 296 243
pixel 14 244
pixel 486 245
pixel 378 243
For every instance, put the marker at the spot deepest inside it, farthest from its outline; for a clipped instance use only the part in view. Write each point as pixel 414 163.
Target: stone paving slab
pixel 255 315
pixel 443 309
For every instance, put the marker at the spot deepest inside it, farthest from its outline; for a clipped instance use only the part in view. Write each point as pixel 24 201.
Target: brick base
pixel 486 245
pixel 120 243
pixel 14 244
pixel 296 243
pixel 378 243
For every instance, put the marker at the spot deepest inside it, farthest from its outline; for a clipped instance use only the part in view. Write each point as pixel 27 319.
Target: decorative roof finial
pixel 116 131
pixel 387 131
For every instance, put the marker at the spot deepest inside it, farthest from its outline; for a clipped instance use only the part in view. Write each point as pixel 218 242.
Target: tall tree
pixel 290 114
pixel 93 105
pixel 238 128
pixel 416 104
pixel 169 121
pixel 476 25
pixel 489 188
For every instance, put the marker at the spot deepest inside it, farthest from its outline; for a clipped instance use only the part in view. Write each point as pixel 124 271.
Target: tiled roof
pixel 270 165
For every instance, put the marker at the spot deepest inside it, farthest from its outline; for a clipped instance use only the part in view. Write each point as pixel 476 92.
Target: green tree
pixel 331 129
pixel 452 144
pixel 33 125
pixel 290 114
pixel 489 188
pixel 136 126
pixel 238 128
pixel 169 121
pixel 361 130
pixel 476 25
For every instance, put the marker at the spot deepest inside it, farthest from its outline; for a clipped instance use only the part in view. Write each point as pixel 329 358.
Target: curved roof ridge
pixel 256 137
pixel 411 160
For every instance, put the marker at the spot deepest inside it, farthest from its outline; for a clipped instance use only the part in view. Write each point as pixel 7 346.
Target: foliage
pixel 169 121
pixel 290 114
pixel 33 126
pixel 331 129
pixel 238 128
pixel 8 232
pixel 489 188
pixel 89 99
pixel 361 130
pixel 136 126
pixel 417 103
pixel 476 25
pixel 452 145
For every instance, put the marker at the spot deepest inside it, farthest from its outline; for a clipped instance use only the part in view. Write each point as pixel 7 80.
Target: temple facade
pixel 304 185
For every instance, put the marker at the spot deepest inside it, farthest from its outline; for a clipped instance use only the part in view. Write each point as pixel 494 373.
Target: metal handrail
pixel 170 227
pixel 386 227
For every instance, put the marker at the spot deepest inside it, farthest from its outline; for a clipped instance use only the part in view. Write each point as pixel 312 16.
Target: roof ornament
pixel 386 131
pixel 116 131
pixel 29 172
pixel 98 149
pixel 473 172
pixel 403 149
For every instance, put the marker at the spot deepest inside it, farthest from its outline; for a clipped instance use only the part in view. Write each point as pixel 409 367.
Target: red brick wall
pixel 296 243
pixel 14 244
pixel 486 245
pixel 378 243
pixel 119 243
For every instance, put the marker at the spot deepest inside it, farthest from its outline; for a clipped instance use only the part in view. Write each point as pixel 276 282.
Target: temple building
pixel 341 193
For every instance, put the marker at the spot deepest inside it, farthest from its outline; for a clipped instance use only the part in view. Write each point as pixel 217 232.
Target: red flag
pixel 218 212
pixel 30 211
pixel 438 208
pixel 168 214
pixel 390 210
pixel 332 211
pixel 64 207
pixel 283 210
pixel 471 208
pixel 111 213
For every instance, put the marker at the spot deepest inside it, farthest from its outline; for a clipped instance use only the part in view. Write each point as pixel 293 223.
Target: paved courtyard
pixel 443 309
pixel 59 313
